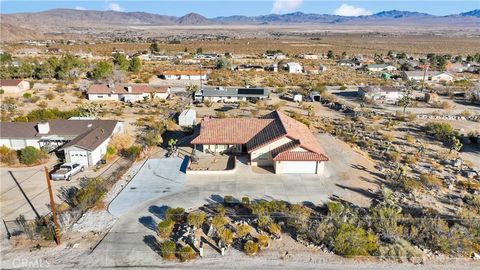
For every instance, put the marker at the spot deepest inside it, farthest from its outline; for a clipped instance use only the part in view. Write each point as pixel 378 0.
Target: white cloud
pixel 115 7
pixel 281 6
pixel 348 10
pixel 80 8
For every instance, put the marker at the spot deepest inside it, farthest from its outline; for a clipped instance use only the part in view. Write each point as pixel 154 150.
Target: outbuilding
pixel 187 118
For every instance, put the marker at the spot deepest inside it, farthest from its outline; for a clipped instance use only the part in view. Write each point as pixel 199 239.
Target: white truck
pixel 66 171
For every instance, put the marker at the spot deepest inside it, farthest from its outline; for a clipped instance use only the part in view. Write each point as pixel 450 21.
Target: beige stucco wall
pixel 262 156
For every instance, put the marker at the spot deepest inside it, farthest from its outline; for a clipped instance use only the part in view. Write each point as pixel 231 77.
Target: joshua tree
pixel 172 144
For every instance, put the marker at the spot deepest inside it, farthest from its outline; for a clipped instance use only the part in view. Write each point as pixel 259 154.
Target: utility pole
pixel 425 68
pixel 52 205
pixel 201 84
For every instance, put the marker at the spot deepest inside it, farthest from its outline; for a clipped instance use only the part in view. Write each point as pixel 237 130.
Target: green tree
pixel 454 143
pixel 121 61
pixel 101 71
pixel 168 249
pixel 223 63
pixel 165 228
pixel 226 236
pixel 176 214
pixel 330 54
pixel 218 222
pixel 242 230
pixel 135 64
pixel 30 155
pixel 250 247
pixel 187 253
pixel 154 48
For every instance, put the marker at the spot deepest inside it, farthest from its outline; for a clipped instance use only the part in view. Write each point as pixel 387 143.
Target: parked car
pixel 66 171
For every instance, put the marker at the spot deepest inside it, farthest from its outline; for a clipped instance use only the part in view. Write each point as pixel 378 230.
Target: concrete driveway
pixel 156 178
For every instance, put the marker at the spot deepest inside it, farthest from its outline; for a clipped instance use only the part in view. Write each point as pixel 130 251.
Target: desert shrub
pixel 220 114
pixel 120 142
pixel 218 222
pixel 394 156
pixel 410 184
pixel 388 137
pixel 132 152
pixel 228 199
pixel 27 95
pixel 176 214
pixel 48 114
pixel 274 229
pixel 354 241
pixel 399 250
pixel 262 240
pixel 441 130
pixel 220 209
pixel 50 95
pixel 165 228
pixel 410 159
pixel 196 219
pixel 31 155
pixel 250 248
pixel 42 104
pixel 89 194
pixel 409 139
pixel 187 253
pixel 431 180
pixel 297 217
pixel 226 236
pixel 242 230
pixel 168 249
pixel 263 221
pixel 8 156
pixel 245 200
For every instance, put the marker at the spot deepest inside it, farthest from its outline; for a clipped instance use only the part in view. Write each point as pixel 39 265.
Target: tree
pixel 250 248
pixel 101 71
pixel 172 144
pixel 354 241
pixel 242 230
pixel 407 99
pixel 176 214
pixel 199 50
pixel 165 228
pixel 274 229
pixel 223 63
pixel 192 88
pixel 154 48
pixel 30 155
pixel 135 64
pixel 121 61
pixel 196 219
pixel 330 54
pixel 262 240
pixel 454 143
pixel 168 249
pixel 218 222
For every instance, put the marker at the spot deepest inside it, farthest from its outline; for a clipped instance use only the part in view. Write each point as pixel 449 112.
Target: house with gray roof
pixel 231 94
pixel 82 141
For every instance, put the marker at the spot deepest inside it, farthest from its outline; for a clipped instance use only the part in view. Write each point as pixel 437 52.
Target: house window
pixel 99 96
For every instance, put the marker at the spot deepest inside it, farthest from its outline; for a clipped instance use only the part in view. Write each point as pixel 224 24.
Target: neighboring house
pixel 206 56
pixel 277 56
pixel 14 86
pixel 233 94
pixel 126 92
pixel 381 67
pixel 184 75
pixel 430 76
pixel 187 118
pixel 293 67
pixel 82 141
pixel 248 68
pixel 272 140
pixel 349 63
pixel 384 94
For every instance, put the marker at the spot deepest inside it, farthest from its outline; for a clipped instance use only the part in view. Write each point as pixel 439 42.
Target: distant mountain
pixel 192 19
pixel 474 13
pixel 396 14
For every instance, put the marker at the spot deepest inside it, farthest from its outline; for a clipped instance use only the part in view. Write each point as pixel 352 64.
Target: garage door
pixel 297 167
pixel 80 157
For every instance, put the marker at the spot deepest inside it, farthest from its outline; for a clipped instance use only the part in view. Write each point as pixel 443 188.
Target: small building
pixel 297 97
pixel 184 75
pixel 276 56
pixel 14 86
pixel 248 68
pixel 349 63
pixel 381 67
pixel 81 141
pixel 126 92
pixel 315 96
pixel 274 140
pixel 187 118
pixel 384 94
pixel 272 67
pixel 294 67
pixel 430 76
pixel 233 94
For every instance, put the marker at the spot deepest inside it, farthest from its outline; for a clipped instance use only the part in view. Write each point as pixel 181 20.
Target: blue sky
pixel 213 8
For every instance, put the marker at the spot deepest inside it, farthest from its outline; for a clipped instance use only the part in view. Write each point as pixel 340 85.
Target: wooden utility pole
pixel 52 205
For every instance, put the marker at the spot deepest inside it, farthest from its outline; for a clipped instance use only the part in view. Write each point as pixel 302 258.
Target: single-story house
pixel 273 140
pixel 349 63
pixel 82 141
pixel 430 76
pixel 294 67
pixel 381 67
pixel 187 118
pixel 248 68
pixel 14 86
pixel 386 94
pixel 126 92
pixel 184 75
pixel 233 94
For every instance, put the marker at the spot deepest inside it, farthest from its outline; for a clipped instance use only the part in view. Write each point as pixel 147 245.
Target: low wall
pixel 208 172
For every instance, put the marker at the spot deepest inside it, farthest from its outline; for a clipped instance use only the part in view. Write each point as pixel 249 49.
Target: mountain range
pixel 71 20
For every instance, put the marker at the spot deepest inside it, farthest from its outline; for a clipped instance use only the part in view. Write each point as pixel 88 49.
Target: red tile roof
pixel 10 82
pixel 137 89
pixel 256 133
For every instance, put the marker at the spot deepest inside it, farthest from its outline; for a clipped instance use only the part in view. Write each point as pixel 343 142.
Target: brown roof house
pixel 14 86
pixel 126 92
pixel 83 141
pixel 273 140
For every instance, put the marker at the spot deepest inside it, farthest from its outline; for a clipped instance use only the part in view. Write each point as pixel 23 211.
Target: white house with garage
pixel 274 140
pixel 126 92
pixel 81 141
pixel 14 86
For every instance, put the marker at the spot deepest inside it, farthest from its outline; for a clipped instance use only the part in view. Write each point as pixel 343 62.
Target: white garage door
pixel 298 166
pixel 80 157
